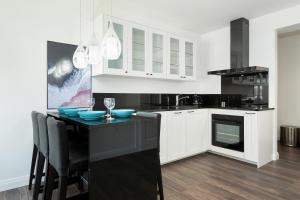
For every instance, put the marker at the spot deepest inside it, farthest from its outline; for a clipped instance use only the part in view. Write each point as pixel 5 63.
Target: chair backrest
pixel 35 129
pixel 58 145
pixel 43 134
pixel 155 123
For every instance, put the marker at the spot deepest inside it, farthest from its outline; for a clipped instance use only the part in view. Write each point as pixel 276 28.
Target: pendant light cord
pixel 93 15
pixel 80 22
pixel 110 7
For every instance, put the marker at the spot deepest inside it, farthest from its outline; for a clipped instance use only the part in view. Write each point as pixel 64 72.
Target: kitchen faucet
pixel 178 99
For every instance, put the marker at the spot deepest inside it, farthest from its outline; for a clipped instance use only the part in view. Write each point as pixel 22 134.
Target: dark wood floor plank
pixel 213 177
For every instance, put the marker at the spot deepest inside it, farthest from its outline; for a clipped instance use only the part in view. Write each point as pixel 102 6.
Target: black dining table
pixel 123 157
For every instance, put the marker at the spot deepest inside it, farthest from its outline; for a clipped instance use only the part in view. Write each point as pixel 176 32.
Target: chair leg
pixel 38 177
pixel 46 178
pixel 32 168
pixel 62 188
pixel 159 181
pixel 80 182
pixel 50 181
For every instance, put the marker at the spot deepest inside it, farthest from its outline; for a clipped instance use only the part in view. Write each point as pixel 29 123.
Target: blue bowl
pixel 74 112
pixel 91 118
pixel 91 114
pixel 123 113
pixel 62 109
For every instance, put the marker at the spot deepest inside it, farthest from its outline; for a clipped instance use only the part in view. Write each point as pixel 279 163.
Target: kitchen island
pixel 123 157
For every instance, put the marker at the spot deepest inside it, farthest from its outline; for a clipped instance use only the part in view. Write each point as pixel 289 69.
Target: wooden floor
pixel 212 177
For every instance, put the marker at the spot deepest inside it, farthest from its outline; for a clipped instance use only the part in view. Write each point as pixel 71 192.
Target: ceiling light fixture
pixel 111 45
pixel 80 58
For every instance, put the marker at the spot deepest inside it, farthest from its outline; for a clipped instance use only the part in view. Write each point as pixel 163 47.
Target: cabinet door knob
pixel 126 71
pixel 147 73
pixel 151 74
pixel 191 111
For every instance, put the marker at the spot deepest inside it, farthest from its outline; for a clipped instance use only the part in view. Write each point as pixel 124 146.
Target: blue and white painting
pixel 67 85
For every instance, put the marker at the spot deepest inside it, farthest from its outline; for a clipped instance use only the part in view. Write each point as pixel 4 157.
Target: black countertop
pixel 152 108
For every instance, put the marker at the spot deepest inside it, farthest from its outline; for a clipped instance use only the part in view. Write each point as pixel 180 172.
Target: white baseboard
pixel 13 183
pixel 275 156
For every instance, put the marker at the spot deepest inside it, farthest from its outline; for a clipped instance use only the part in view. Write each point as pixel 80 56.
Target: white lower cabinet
pixel 163 138
pixel 183 134
pixel 196 131
pixel 250 136
pixel 176 135
pixel 258 137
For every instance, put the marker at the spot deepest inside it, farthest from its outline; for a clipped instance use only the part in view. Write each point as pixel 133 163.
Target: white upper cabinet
pixel 181 59
pixel 138 50
pixel 188 69
pixel 147 52
pixel 174 57
pixel 158 54
pixel 119 66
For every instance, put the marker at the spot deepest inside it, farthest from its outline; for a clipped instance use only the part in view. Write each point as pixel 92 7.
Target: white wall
pixel 25 28
pixel 288 80
pixel 263 48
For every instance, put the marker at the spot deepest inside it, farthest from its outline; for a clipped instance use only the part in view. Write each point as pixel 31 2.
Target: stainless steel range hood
pixel 239 52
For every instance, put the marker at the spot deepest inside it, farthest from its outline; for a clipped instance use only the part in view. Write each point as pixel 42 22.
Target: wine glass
pixel 92 103
pixel 109 104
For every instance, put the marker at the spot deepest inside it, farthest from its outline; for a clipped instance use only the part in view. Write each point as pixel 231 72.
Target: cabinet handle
pixel 247 113
pixel 151 74
pixel 126 71
pixel 147 73
pixel 177 113
pixel 192 111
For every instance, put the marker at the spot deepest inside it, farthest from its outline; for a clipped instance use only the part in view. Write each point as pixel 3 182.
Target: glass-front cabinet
pixel 138 50
pixel 147 52
pixel 158 53
pixel 119 66
pixel 189 72
pixel 174 57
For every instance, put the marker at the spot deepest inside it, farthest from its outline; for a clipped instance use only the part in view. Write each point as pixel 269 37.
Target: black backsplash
pixel 136 100
pixel 254 90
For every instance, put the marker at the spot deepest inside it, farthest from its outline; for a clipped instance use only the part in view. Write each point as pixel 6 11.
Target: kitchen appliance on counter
pixel 197 100
pixel 228 132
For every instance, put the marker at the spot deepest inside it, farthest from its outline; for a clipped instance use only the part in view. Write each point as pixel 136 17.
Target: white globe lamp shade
pixel 80 59
pixel 93 51
pixel 111 45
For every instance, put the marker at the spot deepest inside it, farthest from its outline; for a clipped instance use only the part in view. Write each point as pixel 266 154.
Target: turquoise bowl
pixel 61 110
pixel 122 113
pixel 91 114
pixel 74 112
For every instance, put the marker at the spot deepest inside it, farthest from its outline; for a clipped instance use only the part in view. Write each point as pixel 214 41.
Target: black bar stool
pixel 156 127
pixel 63 162
pixel 36 146
pixel 43 153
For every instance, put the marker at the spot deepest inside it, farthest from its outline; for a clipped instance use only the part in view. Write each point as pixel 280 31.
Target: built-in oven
pixel 228 132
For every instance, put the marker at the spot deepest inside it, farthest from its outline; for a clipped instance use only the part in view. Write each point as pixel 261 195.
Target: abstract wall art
pixel 67 85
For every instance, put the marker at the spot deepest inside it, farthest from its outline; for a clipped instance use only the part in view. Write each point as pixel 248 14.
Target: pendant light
pixel 93 50
pixel 111 45
pixel 80 58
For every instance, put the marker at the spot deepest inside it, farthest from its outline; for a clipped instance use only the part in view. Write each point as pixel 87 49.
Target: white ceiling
pixel 198 16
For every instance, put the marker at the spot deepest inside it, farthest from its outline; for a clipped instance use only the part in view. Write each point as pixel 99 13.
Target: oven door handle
pixel 229 122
